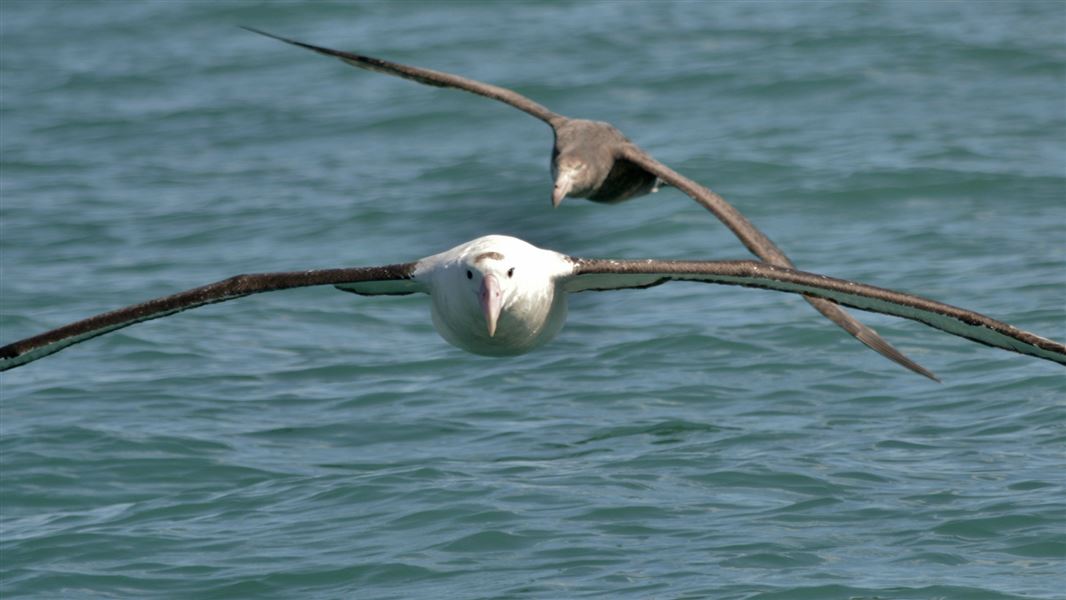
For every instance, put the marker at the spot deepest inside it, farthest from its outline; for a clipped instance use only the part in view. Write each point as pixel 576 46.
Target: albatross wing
pixel 602 274
pixel 389 279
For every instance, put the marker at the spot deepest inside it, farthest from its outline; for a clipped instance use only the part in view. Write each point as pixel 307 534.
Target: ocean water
pixel 686 441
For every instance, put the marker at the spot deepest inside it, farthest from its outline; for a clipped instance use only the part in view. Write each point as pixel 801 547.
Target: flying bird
pixel 593 160
pixel 500 296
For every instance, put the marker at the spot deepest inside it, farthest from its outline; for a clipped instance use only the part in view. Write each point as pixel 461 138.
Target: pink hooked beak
pixel 490 299
pixel 563 184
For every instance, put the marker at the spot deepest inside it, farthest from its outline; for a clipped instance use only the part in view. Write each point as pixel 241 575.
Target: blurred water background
pixel 686 441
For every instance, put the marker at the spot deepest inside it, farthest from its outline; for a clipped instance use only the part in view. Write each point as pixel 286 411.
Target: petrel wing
pixel 429 77
pixel 761 246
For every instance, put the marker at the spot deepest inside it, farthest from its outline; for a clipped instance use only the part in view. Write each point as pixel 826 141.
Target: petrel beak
pixel 489 295
pixel 563 183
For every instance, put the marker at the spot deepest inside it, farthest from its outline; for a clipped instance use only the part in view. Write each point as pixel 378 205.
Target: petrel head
pixel 571 176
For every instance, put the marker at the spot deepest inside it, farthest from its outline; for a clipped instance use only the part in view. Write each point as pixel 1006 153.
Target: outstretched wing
pixel 748 234
pixel 600 274
pixel 429 77
pixel 390 279
pixel 761 246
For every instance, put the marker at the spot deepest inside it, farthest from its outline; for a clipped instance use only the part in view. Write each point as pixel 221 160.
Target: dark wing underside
pixel 760 245
pixel 599 274
pixel 429 77
pixel 625 180
pixel 390 279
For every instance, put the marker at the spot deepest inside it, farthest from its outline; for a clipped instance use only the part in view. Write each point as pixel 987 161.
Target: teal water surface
pixel 685 441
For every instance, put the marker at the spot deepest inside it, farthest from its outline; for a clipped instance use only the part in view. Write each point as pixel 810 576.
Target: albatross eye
pixel 510 272
pixel 469 274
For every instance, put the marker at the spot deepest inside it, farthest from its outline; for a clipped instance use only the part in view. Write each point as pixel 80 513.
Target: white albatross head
pixel 497 295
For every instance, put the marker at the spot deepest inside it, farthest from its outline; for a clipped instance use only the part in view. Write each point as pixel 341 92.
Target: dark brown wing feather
pixel 761 246
pixel 50 342
pixel 601 274
pixel 430 77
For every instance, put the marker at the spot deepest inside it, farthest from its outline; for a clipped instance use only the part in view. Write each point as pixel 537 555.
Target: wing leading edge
pixel 602 274
pixel 389 279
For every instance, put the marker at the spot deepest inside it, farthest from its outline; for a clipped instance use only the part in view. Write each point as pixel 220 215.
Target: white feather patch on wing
pixel 591 282
pixel 387 287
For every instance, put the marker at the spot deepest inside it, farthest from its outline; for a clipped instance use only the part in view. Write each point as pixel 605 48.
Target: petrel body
pixel 500 296
pixel 594 160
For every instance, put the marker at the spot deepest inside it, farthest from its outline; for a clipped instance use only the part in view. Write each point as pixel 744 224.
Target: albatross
pixel 593 160
pixel 501 296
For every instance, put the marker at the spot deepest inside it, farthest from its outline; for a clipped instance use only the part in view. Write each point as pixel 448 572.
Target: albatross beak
pixel 490 301
pixel 563 183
